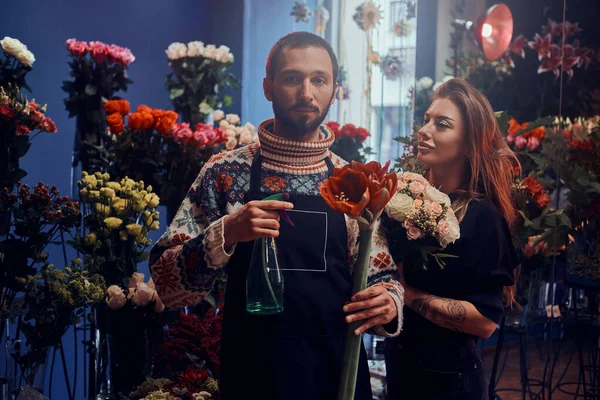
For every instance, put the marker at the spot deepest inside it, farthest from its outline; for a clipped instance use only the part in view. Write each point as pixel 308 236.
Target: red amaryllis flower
pixel 6 112
pixel 347 191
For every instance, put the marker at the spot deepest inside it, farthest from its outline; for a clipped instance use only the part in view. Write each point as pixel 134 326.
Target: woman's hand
pixel 374 304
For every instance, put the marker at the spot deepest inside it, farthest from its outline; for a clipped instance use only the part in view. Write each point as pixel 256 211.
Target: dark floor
pixel 510 377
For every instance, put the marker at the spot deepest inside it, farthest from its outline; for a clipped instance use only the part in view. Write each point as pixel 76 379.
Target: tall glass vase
pixel 27 367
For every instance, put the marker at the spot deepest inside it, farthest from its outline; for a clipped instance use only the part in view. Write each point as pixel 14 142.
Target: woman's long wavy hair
pixel 491 163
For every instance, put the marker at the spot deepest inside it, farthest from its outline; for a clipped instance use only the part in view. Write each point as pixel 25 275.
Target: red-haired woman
pixel 436 356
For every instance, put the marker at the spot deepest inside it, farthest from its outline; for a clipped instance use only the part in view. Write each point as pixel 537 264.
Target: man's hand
pixel 374 304
pixel 254 220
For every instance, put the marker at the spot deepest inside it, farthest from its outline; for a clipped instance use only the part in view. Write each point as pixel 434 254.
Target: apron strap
pixel 255 171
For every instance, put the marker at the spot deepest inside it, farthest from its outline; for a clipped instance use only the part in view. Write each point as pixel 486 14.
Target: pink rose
pixel 122 55
pixel 99 51
pixel 402 185
pixel 135 278
pixel 436 208
pixel 76 47
pixel 443 228
pixel 418 203
pixel 510 139
pixel 115 298
pixel 200 139
pixel 413 233
pixel 520 142
pixel 416 188
pixel 143 295
pixel 533 143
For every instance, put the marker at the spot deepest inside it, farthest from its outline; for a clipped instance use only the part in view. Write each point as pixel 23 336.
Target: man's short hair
pixel 299 40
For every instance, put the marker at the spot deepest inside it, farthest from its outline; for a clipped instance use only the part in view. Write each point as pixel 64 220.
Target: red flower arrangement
pixel 349 141
pixel 537 191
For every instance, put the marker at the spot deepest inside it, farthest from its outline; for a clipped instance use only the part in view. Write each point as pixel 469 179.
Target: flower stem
pixel 352 350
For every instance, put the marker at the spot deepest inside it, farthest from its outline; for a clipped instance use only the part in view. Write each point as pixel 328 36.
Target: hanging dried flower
pixel 403 28
pixel 367 15
pixel 391 66
pixel 301 12
pixel 321 18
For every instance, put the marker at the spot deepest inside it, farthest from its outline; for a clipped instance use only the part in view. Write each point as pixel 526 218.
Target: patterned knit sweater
pixel 190 255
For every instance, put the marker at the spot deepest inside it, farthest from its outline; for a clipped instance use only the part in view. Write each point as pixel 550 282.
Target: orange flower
pixel 165 123
pixel 347 191
pixel 539 132
pixel 115 123
pixel 116 106
pixel 514 126
pixel 144 108
pixel 135 121
pixel 147 120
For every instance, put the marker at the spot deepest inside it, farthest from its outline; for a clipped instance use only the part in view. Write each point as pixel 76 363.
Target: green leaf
pixel 19 174
pixel 144 256
pixel 176 92
pixel 227 101
pixel 90 90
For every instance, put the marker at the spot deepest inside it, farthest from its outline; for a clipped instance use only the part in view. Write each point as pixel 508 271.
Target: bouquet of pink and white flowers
pixel 420 217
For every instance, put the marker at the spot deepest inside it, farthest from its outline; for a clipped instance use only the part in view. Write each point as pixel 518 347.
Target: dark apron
pixel 298 353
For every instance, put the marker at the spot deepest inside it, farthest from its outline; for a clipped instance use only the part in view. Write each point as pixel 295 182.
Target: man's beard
pixel 297 129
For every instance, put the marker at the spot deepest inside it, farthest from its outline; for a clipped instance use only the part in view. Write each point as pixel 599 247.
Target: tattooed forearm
pixel 447 313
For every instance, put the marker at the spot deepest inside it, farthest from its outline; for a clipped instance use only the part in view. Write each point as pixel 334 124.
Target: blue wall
pixel 147 27
pixel 265 21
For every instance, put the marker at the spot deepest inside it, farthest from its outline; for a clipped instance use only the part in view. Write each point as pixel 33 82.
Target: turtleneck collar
pixel 293 153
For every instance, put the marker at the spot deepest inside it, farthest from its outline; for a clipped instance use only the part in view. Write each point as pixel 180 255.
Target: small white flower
pixel 231 143
pixel 210 51
pixel 250 127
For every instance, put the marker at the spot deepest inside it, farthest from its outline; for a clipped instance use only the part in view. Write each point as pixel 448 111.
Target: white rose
pixel 230 132
pixel 231 143
pixel 176 50
pixel 222 54
pixel 12 46
pixel 424 83
pixel 246 137
pixel 210 51
pixel 25 57
pixel 218 115
pixel 433 194
pixel 233 119
pixel 143 295
pixel 195 49
pixel 251 128
pixel 115 297
pixel 453 231
pixel 399 206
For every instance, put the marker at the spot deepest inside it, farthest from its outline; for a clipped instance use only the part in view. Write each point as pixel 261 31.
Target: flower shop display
pixel 199 79
pixel 361 191
pixel 53 300
pixel 98 71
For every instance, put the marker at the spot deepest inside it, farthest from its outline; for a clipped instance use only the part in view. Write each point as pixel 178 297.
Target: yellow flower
pixel 107 192
pixel 77 261
pixel 127 183
pixel 154 226
pixel 120 206
pixel 134 229
pixel 113 223
pixel 113 185
pixel 105 176
pixel 139 205
pixel 84 193
pixel 149 188
pixel 94 195
pixel 90 239
pixel 102 209
pixel 147 217
pixel 152 199
pixel 124 236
